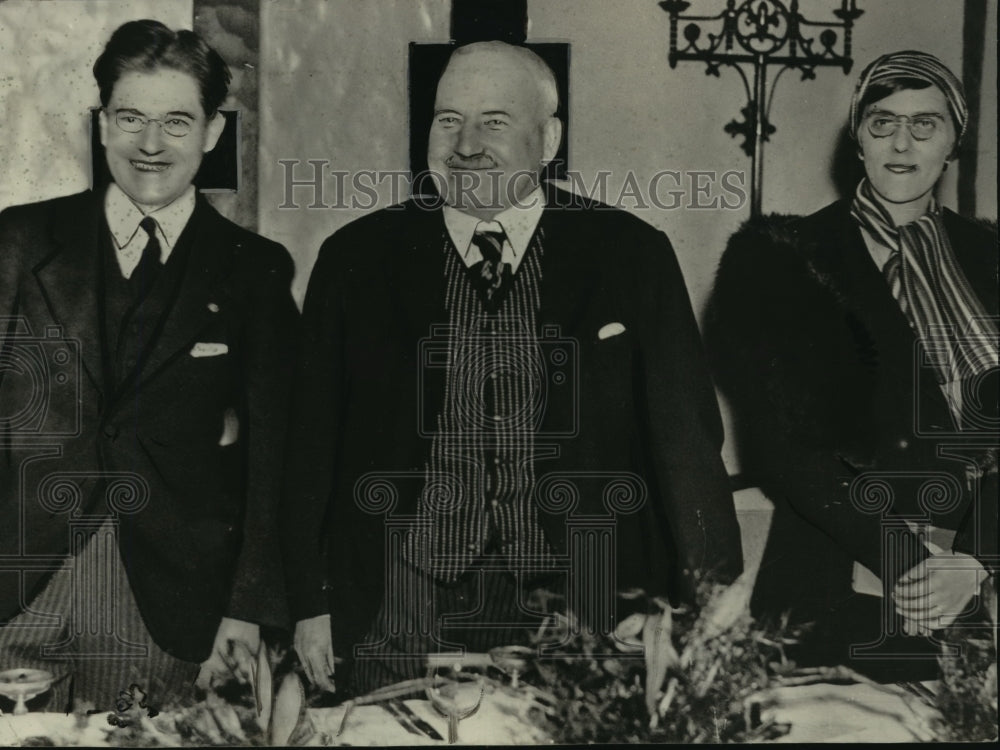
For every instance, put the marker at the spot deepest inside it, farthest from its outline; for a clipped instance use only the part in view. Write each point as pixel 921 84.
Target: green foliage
pixel 600 691
pixel 967 695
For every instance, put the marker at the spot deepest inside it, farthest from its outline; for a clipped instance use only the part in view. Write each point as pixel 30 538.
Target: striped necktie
pixel 491 277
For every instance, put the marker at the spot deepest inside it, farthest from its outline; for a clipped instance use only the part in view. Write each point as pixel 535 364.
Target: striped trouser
pixel 98 648
pixel 419 614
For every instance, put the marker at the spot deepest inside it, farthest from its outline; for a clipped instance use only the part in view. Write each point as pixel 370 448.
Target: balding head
pixel 508 57
pixel 494 126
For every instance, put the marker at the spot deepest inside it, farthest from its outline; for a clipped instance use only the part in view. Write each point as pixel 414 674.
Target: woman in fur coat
pixel 858 349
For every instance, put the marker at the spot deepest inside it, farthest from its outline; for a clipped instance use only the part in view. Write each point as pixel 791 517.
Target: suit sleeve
pixel 316 409
pixel 269 345
pixel 685 428
pixel 10 268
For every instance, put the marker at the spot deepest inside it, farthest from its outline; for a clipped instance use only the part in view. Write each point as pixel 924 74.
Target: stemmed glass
pixel 21 685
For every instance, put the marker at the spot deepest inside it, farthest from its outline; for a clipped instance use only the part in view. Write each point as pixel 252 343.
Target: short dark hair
pixel 879 91
pixel 143 46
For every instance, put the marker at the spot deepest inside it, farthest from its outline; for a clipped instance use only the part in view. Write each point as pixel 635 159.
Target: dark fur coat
pixel 834 411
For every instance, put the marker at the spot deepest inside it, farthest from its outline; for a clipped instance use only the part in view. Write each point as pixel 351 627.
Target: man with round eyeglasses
pixel 164 425
pixel 133 122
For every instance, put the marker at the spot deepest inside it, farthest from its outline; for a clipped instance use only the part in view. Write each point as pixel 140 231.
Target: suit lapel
pixel 69 279
pixel 870 299
pixel 414 273
pixel 208 258
pixel 568 277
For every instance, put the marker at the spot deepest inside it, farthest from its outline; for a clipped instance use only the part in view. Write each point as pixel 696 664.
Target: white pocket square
pixel 611 329
pixel 208 349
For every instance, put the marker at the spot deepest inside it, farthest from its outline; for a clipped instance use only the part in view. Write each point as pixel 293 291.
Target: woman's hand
pixel 931 595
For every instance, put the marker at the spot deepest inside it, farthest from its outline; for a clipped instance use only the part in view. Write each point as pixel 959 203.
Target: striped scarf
pixel 960 338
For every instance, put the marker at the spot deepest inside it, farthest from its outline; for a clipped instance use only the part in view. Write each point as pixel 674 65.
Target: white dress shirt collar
pixel 518 223
pixel 123 219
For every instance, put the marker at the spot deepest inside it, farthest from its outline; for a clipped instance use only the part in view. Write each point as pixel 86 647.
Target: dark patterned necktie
pixel 491 277
pixel 145 273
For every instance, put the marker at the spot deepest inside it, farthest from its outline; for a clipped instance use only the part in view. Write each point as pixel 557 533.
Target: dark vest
pixel 132 321
pixel 480 476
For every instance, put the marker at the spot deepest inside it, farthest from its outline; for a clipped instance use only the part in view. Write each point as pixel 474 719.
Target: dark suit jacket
pixel 204 545
pixel 645 404
pixel 828 390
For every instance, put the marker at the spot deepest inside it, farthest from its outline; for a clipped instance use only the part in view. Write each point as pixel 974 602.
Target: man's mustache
pixel 480 161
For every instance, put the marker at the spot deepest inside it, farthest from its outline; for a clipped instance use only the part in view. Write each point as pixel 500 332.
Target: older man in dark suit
pixel 479 378
pixel 162 333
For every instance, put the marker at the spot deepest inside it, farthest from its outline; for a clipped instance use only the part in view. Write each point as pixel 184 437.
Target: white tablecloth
pixel 817 713
pixel 851 713
pixel 502 719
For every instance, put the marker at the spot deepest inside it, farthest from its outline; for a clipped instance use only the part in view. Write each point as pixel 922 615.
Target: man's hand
pixel 932 594
pixel 314 645
pixel 234 654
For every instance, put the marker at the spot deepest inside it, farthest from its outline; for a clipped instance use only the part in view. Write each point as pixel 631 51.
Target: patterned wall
pixel 232 28
pixel 334 87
